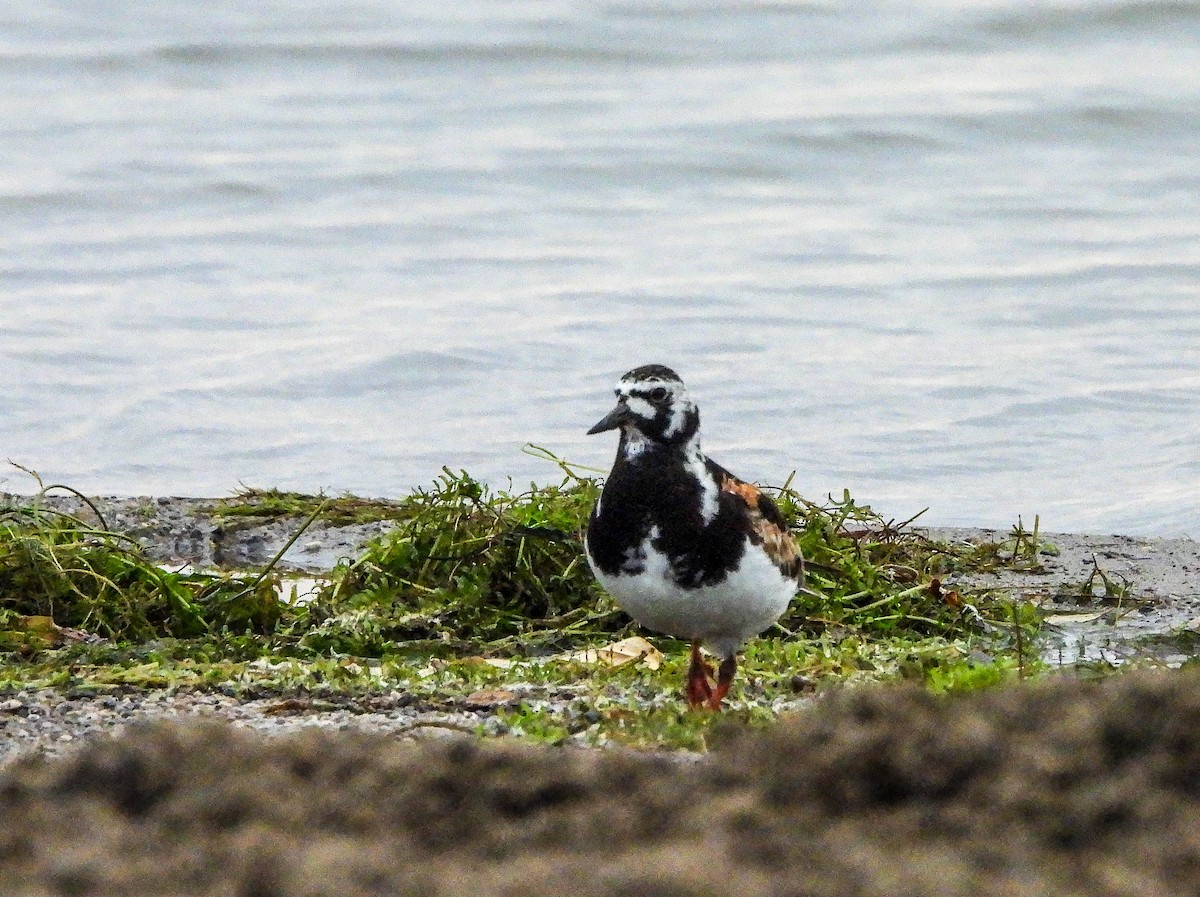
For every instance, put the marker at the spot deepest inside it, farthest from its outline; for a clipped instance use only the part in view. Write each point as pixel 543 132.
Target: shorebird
pixel 682 545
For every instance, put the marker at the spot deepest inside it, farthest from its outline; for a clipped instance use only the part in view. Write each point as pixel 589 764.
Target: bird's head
pixel 652 407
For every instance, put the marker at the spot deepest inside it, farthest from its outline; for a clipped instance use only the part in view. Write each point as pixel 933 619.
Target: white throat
pixel 709 492
pixel 633 442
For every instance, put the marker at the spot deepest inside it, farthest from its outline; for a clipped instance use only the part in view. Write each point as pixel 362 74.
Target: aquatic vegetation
pixel 467 563
pixel 506 570
pixel 468 567
pixel 73 573
pixel 877 575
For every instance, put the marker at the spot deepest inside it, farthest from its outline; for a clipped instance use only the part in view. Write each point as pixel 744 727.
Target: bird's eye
pixel 657 394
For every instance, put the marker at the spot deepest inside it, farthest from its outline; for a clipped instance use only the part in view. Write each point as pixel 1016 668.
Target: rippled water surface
pixel 943 255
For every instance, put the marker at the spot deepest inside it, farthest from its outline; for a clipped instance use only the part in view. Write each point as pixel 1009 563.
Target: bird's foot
pixel 724 680
pixel 714 699
pixel 699 689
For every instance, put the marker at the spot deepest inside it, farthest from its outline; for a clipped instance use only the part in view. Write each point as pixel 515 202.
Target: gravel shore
pixel 51 722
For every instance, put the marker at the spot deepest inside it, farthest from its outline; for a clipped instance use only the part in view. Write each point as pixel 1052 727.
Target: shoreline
pixel 1141 586
pixel 1144 607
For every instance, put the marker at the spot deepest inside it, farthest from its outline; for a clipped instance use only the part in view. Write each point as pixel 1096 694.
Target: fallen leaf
pixel 628 650
pixel 1060 619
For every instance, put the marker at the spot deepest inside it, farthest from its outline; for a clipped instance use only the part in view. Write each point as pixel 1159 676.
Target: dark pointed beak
pixel 612 420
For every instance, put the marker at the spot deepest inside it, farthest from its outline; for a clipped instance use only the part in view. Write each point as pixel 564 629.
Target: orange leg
pixel 699 691
pixel 724 677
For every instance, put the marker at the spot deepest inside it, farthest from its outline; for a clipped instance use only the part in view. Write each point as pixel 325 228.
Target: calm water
pixel 945 255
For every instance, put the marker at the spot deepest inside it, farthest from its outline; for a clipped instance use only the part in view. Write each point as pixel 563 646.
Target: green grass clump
pixel 466 570
pixel 470 567
pixel 466 563
pixel 57 567
pixel 878 576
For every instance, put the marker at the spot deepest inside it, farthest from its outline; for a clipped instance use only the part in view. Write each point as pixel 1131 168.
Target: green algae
pixel 472 568
pixel 57 566
pixel 251 506
pixel 465 563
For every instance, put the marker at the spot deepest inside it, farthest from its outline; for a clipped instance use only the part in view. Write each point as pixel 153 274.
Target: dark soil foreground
pixel 1059 788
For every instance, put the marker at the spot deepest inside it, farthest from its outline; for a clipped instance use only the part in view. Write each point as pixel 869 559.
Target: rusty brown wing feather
pixel 767 526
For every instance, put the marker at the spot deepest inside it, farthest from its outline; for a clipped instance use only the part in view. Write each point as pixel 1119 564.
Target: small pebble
pixel 494 726
pixel 801 683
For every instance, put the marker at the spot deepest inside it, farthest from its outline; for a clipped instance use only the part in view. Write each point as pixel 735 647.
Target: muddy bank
pixel 1107 599
pixel 1063 787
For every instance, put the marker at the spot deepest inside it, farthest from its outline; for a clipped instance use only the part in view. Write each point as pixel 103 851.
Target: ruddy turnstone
pixel 682 545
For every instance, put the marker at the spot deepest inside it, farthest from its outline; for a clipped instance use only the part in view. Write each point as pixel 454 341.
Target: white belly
pixel 724 615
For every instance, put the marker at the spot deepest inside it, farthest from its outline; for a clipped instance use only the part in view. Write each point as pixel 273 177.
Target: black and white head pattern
pixel 657 409
pixel 658 420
